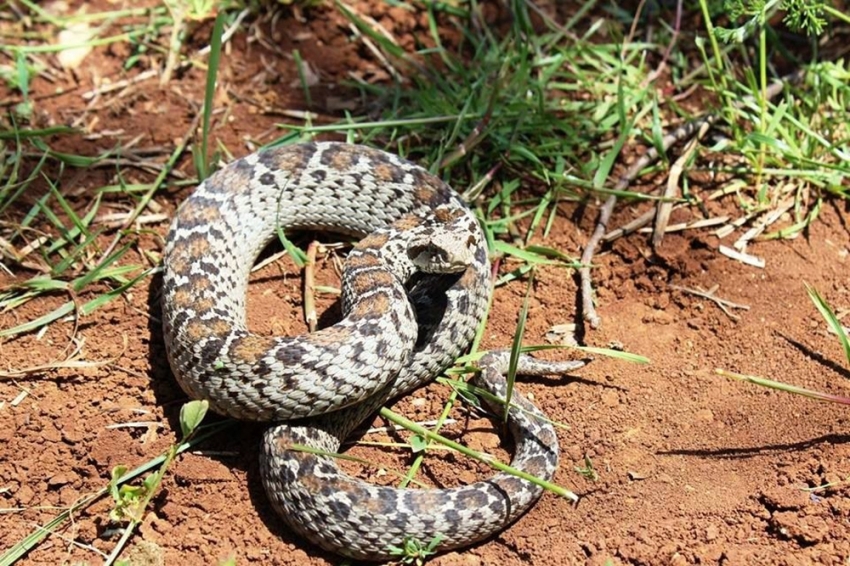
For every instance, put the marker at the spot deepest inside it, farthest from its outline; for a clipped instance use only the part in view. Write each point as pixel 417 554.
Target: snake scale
pixel 415 289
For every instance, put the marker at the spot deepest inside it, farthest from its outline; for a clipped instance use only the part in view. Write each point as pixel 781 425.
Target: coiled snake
pixel 340 375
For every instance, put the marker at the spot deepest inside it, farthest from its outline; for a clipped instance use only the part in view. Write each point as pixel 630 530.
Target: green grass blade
pixel 830 318
pixel 202 163
pixel 302 77
pixel 53 315
pixel 81 282
pixel 516 344
pixel 107 297
pixel 525 255
pixel 616 354
pixel 778 385
pixel 37 134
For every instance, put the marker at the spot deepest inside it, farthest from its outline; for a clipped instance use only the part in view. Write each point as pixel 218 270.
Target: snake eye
pixel 427 252
pixel 414 252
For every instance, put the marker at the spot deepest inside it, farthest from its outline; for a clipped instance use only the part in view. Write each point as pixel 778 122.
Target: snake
pixel 416 287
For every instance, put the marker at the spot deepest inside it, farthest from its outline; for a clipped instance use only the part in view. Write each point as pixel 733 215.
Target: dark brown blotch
pixel 199 283
pixel 536 466
pixel 182 298
pixel 330 336
pixel 388 173
pixel 199 212
pixel 374 241
pixel 197 330
pixel 547 437
pixel 375 306
pixel 472 499
pixel 365 281
pixel 429 189
pixel 292 158
pixel 233 179
pixel 250 348
pixel 425 194
pixel 361 260
pixel 189 250
pixel 408 222
pixel 338 156
pixel 220 327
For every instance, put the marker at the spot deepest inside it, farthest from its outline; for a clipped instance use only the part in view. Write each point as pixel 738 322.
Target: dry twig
pixel 710 295
pixel 310 316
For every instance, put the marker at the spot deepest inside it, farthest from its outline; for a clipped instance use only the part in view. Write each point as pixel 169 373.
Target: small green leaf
pixel 23 82
pixel 418 443
pixel 413 551
pixel 588 471
pixel 115 476
pixel 191 415
pixel 469 397
pixel 150 482
pixel 434 542
pixel 297 255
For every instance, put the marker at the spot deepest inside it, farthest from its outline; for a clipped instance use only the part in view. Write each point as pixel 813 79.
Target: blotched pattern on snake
pixel 402 326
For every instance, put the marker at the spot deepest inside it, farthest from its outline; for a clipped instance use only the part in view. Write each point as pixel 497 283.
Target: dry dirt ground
pixel 692 468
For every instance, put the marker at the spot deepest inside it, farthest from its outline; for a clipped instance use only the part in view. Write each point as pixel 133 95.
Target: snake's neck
pixel 377 269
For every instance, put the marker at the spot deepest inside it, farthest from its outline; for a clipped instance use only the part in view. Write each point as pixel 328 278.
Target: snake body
pixel 340 375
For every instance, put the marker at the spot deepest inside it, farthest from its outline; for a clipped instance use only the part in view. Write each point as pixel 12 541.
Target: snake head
pixel 447 242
